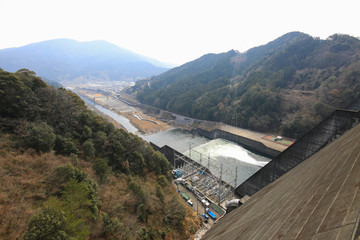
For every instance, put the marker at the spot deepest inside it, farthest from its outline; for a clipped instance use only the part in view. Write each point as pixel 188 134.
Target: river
pixel 119 118
pixel 225 159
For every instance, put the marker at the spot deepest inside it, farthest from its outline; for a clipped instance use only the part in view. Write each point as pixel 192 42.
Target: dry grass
pixel 118 202
pixel 26 183
pixel 298 101
pixel 143 125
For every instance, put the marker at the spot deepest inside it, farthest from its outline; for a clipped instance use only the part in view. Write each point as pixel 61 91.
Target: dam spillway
pixel 226 160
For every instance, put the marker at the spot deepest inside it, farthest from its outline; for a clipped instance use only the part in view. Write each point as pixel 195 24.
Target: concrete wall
pixel 249 144
pixel 328 130
pixel 170 156
pixel 355 105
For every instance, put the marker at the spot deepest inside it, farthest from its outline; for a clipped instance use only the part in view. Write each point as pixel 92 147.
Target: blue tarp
pixel 212 214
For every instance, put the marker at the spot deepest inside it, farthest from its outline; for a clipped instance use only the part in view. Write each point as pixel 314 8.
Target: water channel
pixel 225 159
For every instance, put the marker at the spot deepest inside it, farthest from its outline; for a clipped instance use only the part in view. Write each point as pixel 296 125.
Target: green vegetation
pixel 66 217
pixel 69 174
pixel 49 119
pixel 285 86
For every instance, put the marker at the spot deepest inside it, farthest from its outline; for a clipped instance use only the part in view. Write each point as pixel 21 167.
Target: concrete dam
pixel 321 135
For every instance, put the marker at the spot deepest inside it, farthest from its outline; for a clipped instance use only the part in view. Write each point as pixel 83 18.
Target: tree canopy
pixel 82 177
pixel 264 88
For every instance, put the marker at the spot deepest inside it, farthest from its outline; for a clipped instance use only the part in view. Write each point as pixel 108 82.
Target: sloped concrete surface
pixel 318 199
pixel 321 135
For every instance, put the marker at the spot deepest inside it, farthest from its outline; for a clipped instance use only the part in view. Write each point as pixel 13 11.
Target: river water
pixel 225 159
pixel 120 119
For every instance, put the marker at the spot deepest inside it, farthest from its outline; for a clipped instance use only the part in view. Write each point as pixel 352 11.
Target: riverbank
pixel 144 123
pixel 110 119
pixel 149 120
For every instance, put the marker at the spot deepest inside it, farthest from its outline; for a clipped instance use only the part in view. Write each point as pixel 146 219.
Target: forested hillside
pixel 67 173
pixel 285 86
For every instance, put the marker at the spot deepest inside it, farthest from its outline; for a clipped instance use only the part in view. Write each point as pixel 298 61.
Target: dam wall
pixel 173 157
pixel 170 153
pixel 325 132
pixel 247 143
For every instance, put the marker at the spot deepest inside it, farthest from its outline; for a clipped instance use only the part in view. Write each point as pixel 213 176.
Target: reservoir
pixel 225 159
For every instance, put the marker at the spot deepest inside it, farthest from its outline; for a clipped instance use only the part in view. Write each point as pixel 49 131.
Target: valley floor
pixel 144 123
pixel 147 124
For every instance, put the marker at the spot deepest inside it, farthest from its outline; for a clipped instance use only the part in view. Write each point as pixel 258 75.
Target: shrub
pixel 162 181
pixel 49 223
pixel 66 172
pixel 39 136
pixel 88 148
pixel 65 146
pixel 159 193
pixel 101 168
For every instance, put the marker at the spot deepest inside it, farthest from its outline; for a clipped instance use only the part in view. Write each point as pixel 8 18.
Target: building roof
pixel 318 199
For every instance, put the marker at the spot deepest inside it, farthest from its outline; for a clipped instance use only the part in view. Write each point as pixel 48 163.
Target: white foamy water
pixel 222 154
pixel 227 149
pixel 225 158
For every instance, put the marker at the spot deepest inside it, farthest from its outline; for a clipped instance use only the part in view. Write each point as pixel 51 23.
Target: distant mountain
pixel 285 86
pixel 65 60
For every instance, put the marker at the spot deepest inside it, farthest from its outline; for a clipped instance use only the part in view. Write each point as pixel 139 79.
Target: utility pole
pixel 190 150
pixel 197 204
pixel 236 176
pixel 209 161
pixel 221 170
pixel 220 184
pixel 219 193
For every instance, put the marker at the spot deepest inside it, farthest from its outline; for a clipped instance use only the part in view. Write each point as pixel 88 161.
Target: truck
pixel 205 203
pixel 211 214
pixel 185 196
pixel 189 187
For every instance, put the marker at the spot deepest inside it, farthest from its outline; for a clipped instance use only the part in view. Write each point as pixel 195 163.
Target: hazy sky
pixel 175 31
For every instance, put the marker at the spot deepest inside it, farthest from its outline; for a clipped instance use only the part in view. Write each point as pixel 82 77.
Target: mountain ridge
pixel 70 60
pixel 284 87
